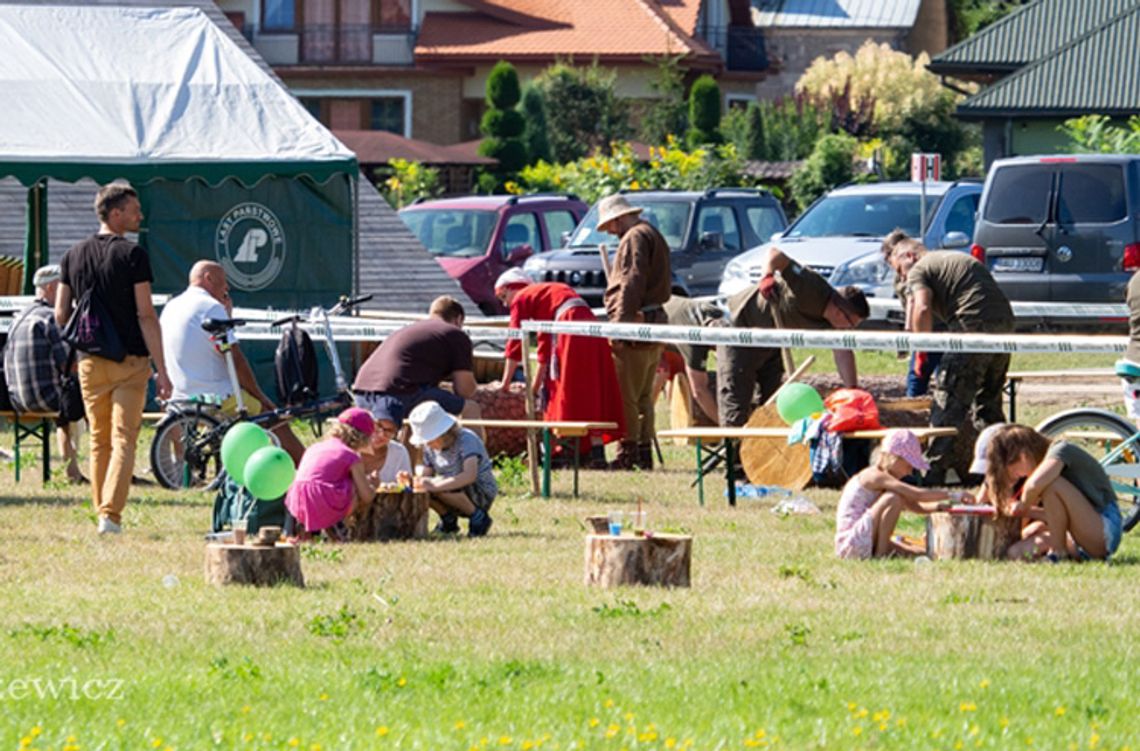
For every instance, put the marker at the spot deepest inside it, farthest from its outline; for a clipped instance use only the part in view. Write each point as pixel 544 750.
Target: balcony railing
pixel 741 46
pixel 334 44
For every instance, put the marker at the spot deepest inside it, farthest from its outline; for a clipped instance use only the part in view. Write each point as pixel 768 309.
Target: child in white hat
pixel 872 500
pixel 457 470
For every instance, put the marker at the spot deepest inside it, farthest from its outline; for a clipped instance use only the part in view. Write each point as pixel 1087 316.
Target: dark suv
pixel 476 238
pixel 703 229
pixel 1061 228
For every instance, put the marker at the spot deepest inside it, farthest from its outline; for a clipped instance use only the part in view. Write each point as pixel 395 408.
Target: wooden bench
pixel 33 425
pixel 1013 380
pixel 728 436
pixel 549 430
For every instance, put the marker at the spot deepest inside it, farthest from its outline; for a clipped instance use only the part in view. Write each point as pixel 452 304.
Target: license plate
pixel 1006 263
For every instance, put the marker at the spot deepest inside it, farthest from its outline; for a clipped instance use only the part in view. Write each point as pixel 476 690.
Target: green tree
pixel 403 182
pixel 744 129
pixel 534 134
pixel 704 112
pixel 831 163
pixel 968 17
pixel 668 114
pixel 1097 134
pixel 584 113
pixel 502 124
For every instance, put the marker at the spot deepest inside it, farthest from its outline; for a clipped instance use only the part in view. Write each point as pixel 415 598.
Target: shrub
pixel 744 129
pixel 404 182
pixel 1098 134
pixel 667 115
pixel 587 115
pixel 831 163
pixel 534 134
pixel 501 124
pixel 704 112
pixel 503 86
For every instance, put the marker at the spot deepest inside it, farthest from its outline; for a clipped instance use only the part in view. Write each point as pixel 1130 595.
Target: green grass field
pixel 497 644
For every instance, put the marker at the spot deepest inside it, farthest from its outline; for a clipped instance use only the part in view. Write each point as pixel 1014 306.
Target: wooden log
pixel 390 516
pixel 968 536
pixel 260 566
pixel 660 560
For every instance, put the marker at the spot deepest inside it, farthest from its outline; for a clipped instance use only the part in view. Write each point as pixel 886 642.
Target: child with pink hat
pixel 872 500
pixel 331 480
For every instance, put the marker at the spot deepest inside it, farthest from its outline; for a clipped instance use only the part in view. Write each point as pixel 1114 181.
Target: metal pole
pixel 531 438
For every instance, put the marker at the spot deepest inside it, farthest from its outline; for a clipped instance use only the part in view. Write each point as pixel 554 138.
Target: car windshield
pixel 454 233
pixel 863 216
pixel 670 217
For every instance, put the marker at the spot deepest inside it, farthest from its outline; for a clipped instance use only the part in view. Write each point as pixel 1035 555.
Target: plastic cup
pixel 637 521
pixel 614 518
pixel 240 527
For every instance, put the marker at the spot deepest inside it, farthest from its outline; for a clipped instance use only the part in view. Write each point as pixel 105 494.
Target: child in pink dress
pixel 872 500
pixel 331 477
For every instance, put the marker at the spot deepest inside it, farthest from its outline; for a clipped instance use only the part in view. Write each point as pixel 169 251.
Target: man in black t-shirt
pixel 117 273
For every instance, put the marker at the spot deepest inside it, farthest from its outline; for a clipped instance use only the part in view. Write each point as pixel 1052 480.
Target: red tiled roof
pixel 627 29
pixel 378 146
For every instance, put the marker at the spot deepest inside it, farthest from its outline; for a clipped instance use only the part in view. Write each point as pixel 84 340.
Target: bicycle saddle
pixel 216 325
pixel 1127 369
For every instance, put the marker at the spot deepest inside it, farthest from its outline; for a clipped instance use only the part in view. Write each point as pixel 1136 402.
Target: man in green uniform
pixel 798 298
pixel 955 288
pixel 682 311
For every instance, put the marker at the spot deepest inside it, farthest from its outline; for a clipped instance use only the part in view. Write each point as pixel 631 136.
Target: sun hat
pixel 360 419
pixel 385 407
pixel 982 447
pixel 428 421
pixel 904 444
pixel 612 207
pixel 514 277
pixel 45 275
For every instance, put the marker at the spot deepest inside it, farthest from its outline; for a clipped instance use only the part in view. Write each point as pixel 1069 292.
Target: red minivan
pixel 476 238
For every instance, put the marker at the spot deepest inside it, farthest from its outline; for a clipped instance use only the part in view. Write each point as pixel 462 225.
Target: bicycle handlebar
pixel 345 303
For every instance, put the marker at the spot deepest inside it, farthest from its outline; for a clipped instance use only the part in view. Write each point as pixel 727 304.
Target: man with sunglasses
pixel 788 296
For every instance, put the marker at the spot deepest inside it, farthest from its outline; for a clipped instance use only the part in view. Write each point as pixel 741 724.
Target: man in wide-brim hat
pixel 639 284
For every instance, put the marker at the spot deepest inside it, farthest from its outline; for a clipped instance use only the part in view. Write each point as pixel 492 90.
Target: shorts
pixel 478 496
pixel 1131 397
pixel 451 403
pixel 1113 531
pixel 252 405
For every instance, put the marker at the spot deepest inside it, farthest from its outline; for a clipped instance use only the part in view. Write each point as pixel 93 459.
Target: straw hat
pixel 428 422
pixel 613 207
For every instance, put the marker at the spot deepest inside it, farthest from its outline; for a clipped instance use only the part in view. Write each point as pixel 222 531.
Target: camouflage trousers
pixel 967 395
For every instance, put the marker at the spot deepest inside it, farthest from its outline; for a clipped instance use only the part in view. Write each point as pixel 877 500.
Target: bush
pixel 503 86
pixel 588 115
pixel 831 163
pixel 704 112
pixel 502 124
pixel 510 152
pixel 404 182
pixel 534 132
pixel 744 129
pixel 667 115
pixel 1097 134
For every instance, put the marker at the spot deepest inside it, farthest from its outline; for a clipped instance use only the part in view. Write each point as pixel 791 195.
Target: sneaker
pixel 480 523
pixel 448 524
pixel 108 527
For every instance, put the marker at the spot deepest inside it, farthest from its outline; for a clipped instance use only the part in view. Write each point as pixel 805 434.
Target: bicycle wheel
pixel 186 450
pixel 1106 436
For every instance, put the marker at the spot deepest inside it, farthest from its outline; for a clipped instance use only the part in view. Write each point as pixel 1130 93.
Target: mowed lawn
pixel 497 644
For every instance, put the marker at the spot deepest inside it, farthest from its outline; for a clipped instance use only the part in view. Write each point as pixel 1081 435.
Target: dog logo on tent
pixel 250 245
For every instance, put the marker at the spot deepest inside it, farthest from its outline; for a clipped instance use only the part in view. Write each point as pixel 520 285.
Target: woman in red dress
pixel 575 379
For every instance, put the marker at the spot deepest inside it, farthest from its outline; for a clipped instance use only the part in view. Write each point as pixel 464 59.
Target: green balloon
pixel 238 445
pixel 797 401
pixel 269 473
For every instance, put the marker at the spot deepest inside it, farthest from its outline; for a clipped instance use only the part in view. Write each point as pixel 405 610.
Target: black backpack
pixel 296 365
pixel 5 399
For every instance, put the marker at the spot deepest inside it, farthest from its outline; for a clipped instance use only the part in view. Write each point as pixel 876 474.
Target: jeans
pixel 114 394
pixel 919 385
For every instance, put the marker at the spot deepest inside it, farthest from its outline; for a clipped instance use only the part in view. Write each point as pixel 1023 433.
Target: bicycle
pixel 1111 438
pixel 186 450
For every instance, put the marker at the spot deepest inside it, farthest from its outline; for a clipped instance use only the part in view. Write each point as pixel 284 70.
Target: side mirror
pixel 519 253
pixel 775 236
pixel 956 240
pixel 711 241
pixel 565 238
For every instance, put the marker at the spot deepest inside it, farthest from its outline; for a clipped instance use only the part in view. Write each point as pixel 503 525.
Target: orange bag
pixel 851 409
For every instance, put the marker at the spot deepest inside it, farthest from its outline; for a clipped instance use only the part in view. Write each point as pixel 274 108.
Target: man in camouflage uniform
pixel 955 288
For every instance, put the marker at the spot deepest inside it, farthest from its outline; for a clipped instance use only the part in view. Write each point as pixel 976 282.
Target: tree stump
pixel 970 536
pixel 261 566
pixel 390 516
pixel 659 560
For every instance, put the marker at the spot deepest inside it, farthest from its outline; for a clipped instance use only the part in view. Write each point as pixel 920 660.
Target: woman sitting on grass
pixel 330 481
pixel 1060 487
pixel 872 500
pixel 465 485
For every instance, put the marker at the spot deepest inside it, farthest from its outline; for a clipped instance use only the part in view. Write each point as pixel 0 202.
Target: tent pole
pixel 35 235
pixel 355 185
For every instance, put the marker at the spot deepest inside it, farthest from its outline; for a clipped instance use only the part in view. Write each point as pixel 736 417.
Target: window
pixel 1091 194
pixel 521 229
pixel 721 220
pixel 456 233
pixel 961 215
pixel 279 15
pixel 765 221
pixel 388 114
pixel 738 101
pixel 557 223
pixel 392 15
pixel 1020 194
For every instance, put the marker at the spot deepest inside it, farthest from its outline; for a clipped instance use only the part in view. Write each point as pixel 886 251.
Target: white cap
pixel 981 447
pixel 428 422
pixel 45 275
pixel 513 277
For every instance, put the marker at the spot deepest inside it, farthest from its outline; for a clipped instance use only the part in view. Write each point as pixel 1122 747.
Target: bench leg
pixel 546 461
pixel 730 470
pixel 700 474
pixel 577 461
pixel 16 446
pixel 45 437
pixel 1011 392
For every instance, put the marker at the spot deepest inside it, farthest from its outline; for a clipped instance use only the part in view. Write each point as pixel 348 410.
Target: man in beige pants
pixel 639 284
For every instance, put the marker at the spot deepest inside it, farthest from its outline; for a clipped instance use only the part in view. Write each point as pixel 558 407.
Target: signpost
pixel 924 167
